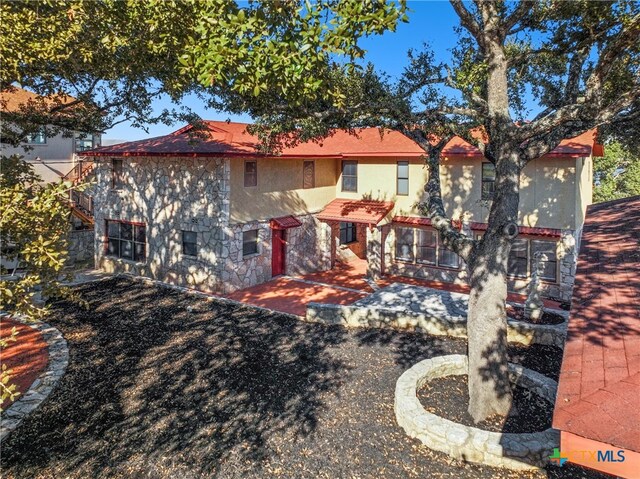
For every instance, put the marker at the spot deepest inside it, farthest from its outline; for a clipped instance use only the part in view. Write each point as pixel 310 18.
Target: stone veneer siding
pixel 169 195
pixel 562 290
pixel 173 194
pixel 81 246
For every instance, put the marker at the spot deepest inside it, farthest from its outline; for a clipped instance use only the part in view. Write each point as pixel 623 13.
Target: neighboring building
pixel 52 157
pixel 219 216
pixel 597 406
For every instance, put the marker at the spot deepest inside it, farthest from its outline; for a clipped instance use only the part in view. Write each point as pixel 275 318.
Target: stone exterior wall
pixel 308 246
pixel 308 249
pixel 81 244
pixel 168 195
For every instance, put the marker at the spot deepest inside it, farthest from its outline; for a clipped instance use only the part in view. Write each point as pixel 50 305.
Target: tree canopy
pixel 617 174
pixel 115 57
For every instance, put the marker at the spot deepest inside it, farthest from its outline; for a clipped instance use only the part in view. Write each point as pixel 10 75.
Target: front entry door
pixel 278 252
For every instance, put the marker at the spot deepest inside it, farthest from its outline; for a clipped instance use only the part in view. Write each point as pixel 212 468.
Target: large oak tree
pixel 578 60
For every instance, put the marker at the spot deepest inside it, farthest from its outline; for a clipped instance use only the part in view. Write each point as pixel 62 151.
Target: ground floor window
pixel 522 258
pixel 249 242
pixel 190 243
pixel 126 240
pixel 348 233
pixel 549 265
pixel 424 245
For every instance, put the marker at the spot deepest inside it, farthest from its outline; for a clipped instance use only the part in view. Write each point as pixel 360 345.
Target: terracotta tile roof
pixel 285 222
pixel 356 211
pixel 412 220
pixel 599 388
pixel 14 99
pixel 581 145
pixel 232 139
pixel 525 230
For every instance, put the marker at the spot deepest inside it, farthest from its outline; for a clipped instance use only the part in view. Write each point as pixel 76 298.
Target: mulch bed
pixel 27 357
pixel 548 317
pixel 163 384
pixel 447 397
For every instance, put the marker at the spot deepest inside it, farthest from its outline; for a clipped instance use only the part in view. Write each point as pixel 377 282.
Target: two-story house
pixel 51 157
pixel 217 215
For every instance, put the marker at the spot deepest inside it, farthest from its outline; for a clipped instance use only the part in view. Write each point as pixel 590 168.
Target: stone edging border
pixel 367 317
pixel 26 403
pixel 507 450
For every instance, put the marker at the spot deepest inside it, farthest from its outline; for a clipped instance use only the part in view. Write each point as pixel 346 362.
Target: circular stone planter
pixel 30 400
pixel 508 450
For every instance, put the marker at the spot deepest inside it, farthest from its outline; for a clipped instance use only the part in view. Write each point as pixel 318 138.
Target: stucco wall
pixel 548 198
pixel 168 195
pixel 279 190
pixel 55 156
pixel 377 180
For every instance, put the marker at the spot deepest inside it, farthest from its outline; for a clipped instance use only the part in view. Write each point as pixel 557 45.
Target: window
pixel 117 174
pixel 427 246
pixel 549 266
pixel 350 176
pixel 488 180
pixel 518 258
pixel 404 244
pixel 403 178
pixel 428 249
pixel 83 142
pixel 39 137
pixel 308 174
pixel 447 258
pixel 249 242
pixel 126 240
pixel 190 243
pixel 347 233
pixel 250 173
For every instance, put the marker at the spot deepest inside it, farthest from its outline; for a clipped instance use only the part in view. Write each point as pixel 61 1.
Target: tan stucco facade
pixel 280 191
pixel 554 192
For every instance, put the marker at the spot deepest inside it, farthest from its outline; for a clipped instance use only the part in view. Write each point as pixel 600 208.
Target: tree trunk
pixel 489 388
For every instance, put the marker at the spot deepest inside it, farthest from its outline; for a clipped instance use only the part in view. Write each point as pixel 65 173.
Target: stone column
pixel 374 252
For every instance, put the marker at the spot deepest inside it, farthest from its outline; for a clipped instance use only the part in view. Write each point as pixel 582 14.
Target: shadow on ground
pixel 163 384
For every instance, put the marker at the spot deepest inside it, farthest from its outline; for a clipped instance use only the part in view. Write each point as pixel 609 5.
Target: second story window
pixel 38 138
pixel 488 180
pixel 250 173
pixel 83 142
pixel 189 243
pixel 350 176
pixel 403 178
pixel 308 174
pixel 348 233
pixel 117 173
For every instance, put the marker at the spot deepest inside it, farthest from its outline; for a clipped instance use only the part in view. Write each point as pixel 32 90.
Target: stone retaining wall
pixel 363 317
pixel 81 246
pixel 513 451
pixel 29 401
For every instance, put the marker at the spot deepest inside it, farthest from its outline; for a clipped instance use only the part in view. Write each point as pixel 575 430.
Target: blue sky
pixel 429 21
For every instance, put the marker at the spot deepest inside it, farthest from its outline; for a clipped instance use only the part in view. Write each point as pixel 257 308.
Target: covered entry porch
pixel 357 233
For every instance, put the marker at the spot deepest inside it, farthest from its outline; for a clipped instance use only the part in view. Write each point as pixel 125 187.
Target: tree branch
pixel 453 239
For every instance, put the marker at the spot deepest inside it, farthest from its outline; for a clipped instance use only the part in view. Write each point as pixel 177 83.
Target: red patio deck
pixel 598 398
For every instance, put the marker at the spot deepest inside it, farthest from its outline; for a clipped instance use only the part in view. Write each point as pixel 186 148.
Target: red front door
pixel 278 252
